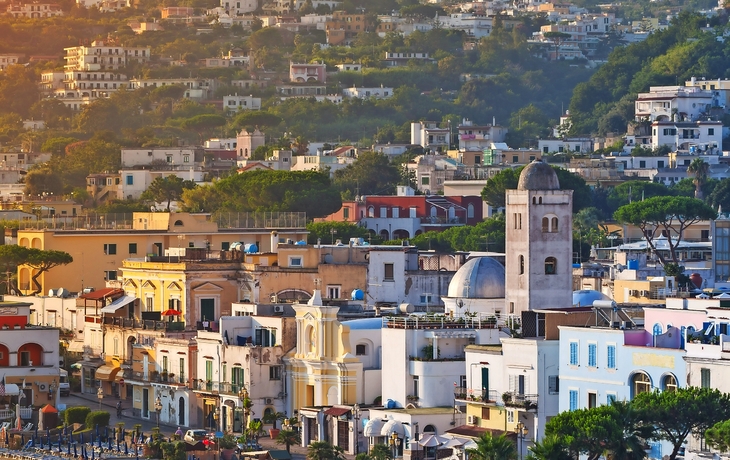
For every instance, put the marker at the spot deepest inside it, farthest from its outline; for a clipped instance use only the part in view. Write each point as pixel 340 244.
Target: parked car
pixel 195 435
pixel 64 387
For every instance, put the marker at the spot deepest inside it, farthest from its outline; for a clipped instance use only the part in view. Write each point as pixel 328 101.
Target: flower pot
pixel 273 433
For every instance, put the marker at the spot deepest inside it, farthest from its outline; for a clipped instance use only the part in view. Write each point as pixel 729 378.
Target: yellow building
pixel 650 291
pixel 324 370
pixel 99 243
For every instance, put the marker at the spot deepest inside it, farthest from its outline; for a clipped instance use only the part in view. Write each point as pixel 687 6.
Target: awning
pixel 106 372
pixel 372 428
pixel 119 303
pixel 392 426
pixel 9 389
pixel 76 346
pixel 279 455
pixel 337 411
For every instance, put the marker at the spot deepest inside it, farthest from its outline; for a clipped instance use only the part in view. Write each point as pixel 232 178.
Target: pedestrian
pixel 178 433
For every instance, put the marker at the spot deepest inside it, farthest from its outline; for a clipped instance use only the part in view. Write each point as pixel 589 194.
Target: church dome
pixel 538 176
pixel 478 278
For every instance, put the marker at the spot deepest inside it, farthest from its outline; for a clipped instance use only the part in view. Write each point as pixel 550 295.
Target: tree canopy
pixel 371 174
pixel 168 188
pixel 671 215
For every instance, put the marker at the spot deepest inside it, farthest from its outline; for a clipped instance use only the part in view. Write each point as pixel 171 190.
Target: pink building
pixel 307 73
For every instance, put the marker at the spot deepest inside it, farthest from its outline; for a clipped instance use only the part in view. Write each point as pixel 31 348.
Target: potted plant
pixel 227 445
pixel 254 430
pixel 272 418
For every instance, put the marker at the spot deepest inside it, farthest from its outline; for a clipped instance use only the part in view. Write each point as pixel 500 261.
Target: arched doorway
pixel 181 411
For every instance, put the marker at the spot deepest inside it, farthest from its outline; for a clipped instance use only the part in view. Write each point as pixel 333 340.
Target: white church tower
pixel 539 242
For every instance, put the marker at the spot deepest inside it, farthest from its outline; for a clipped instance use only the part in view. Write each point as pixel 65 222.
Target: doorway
pixel 181 411
pixel 207 309
pixel 145 403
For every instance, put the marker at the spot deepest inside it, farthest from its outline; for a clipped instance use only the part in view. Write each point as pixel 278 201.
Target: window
pixel 333 292
pixel 642 164
pixel 669 383
pixel 545 225
pixel 610 398
pixel 426 298
pixel 164 364
pixel 710 131
pixel 425 180
pixel 554 384
pixel 110 275
pixel 657 329
pixel 275 373
pixel 521 264
pixel 705 378
pixel 388 272
pixel 485 413
pixel 130 179
pixel 611 357
pixel 415 386
pixel 573 399
pixel 361 350
pixel 133 248
pixel 186 158
pixel 551 265
pixel 554 226
pixel 110 249
pixel 640 383
pixel 346 213
pixel 181 371
pixel 24 358
pixel 591 355
pixel 573 353
pixel 149 304
pixel 510 416
pixel 592 400
pixel 209 370
pixel 295 261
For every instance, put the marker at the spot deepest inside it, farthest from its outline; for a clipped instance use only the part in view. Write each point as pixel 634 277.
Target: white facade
pixel 349 67
pixel 663 103
pixel 687 136
pixel 239 7
pixel 173 359
pixel 474 25
pixel 236 103
pixel 364 93
pixel 101 57
pixel 429 135
pixel 135 182
pixel 565 145
pixel 184 157
pixel 6 60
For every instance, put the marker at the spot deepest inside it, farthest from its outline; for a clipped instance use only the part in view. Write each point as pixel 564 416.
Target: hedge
pixel 76 415
pixel 98 418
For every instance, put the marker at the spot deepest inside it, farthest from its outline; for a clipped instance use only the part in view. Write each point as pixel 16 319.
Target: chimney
pixel 274 242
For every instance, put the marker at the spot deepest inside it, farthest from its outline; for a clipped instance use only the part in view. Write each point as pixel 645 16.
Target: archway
pixel 400 234
pixel 384 235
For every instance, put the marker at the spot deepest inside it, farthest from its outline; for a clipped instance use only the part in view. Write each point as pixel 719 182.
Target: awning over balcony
pixel 9 389
pixel 119 303
pixel 76 346
pixel 373 428
pixel 337 411
pixel 107 372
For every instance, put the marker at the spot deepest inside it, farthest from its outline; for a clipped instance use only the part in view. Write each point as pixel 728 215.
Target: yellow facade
pixel 648 292
pixel 491 416
pixel 323 368
pixel 99 244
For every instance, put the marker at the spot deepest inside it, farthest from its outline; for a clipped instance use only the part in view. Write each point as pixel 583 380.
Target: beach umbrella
pixel 92 453
pixel 106 432
pixel 59 443
pixel 7 437
pixel 41 442
pixel 110 440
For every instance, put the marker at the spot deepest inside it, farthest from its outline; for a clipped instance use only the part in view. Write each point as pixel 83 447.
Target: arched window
pixel 434 211
pixel 470 211
pixel 429 429
pixel 554 226
pixel 657 329
pixel 640 383
pixel 551 266
pixel 178 223
pixel 539 200
pixel 534 200
pixel 371 211
pixel 521 264
pixel 545 225
pixel 669 383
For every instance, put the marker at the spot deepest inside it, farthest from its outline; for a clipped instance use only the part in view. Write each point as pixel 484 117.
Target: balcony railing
pixel 435 220
pixel 476 394
pixel 527 401
pixel 442 322
pixel 217 387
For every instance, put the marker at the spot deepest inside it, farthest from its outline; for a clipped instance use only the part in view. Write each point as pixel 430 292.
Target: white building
pixel 6 60
pixel 195 88
pixel 239 7
pixel 236 103
pixel 34 10
pixel 171 157
pixel 136 181
pixel 349 67
pixel 681 103
pixel 584 145
pixel 478 137
pixel 692 137
pixel 364 93
pixel 429 135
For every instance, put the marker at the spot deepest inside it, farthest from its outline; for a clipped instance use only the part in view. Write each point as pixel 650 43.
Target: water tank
pixel 576 265
pixel 406 308
pixel 51 293
pixel 390 404
pixel 633 264
pixel 357 294
pixel 63 293
pixel 237 246
pixel 696 279
pixel 251 248
pixel 301 243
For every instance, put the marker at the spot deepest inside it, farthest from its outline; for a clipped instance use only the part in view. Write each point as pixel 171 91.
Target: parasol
pixel 171 312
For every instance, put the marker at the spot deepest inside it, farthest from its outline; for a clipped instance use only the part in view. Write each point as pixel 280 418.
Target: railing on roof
pixel 113 221
pixel 443 322
pixel 264 219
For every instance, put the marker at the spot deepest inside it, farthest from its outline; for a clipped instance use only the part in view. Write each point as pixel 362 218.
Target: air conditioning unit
pixel 278 308
pixel 472 420
pixel 268 400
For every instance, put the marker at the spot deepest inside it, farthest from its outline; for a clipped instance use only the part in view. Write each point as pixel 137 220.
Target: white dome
pixel 478 278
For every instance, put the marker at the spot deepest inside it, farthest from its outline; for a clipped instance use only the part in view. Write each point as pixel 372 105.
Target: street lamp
pixel 394 443
pixel 521 431
pixel 100 395
pixel 356 415
pixel 158 408
pixel 245 406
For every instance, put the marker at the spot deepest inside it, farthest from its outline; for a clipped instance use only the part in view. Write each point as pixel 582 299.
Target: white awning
pixel 393 426
pixel 119 303
pixel 76 346
pixel 372 428
pixel 9 389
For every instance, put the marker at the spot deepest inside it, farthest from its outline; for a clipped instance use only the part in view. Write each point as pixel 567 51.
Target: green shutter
pixel 485 380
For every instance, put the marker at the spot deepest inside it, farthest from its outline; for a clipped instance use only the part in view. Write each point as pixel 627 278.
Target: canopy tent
pixel 119 303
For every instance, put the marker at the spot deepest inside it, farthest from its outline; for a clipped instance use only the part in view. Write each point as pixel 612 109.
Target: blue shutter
pixel 592 355
pixel 611 357
pixel 573 399
pixel 573 353
pixel 610 399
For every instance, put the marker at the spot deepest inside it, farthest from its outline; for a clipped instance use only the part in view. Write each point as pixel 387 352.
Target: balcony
pixel 478 395
pixel 436 367
pixel 443 322
pixel 520 400
pixel 217 387
pixel 437 220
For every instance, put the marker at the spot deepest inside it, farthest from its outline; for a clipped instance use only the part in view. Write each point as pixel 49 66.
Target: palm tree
pixel 322 450
pixel 288 438
pixel 699 169
pixel 380 452
pixel 493 448
pixel 551 447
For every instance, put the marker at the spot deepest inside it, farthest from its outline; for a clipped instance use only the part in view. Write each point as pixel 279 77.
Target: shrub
pixel 97 418
pixel 76 414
